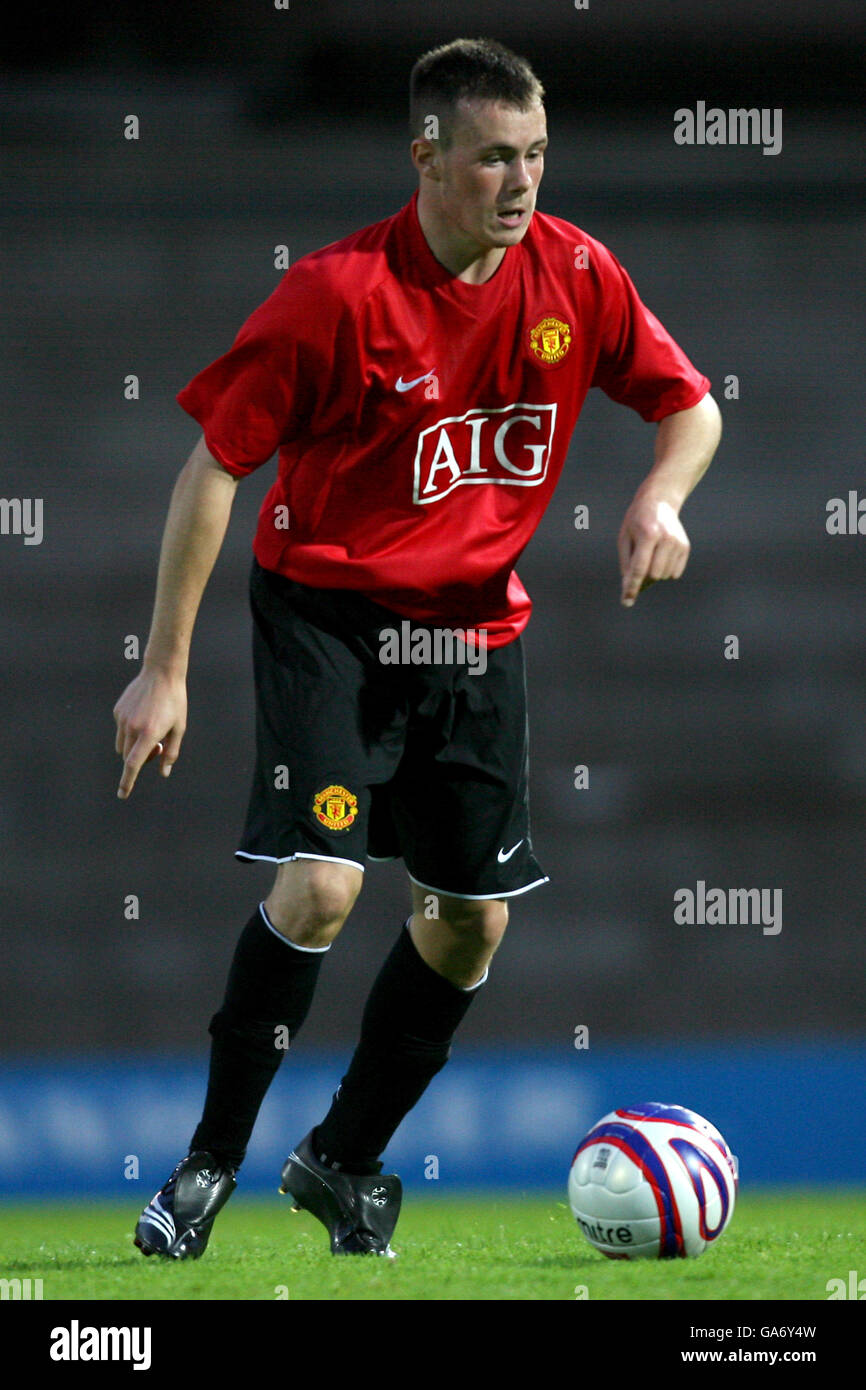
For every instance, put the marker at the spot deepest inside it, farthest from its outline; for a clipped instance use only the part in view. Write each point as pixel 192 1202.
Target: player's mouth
pixel 511 217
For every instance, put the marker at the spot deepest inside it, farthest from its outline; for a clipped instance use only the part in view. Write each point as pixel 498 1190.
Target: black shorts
pixel 357 759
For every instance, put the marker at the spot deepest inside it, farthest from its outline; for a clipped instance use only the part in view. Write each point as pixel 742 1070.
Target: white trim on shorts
pixel 480 897
pixel 445 892
pixel 300 854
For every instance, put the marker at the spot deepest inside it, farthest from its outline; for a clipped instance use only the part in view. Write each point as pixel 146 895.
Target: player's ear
pixel 425 157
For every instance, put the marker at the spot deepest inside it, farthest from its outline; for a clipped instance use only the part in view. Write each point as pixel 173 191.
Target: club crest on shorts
pixel 335 807
pixel 550 340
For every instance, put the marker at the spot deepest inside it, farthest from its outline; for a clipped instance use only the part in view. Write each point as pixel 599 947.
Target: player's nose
pixel 520 180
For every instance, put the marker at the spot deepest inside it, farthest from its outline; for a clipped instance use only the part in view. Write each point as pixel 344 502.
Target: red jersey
pixel 422 422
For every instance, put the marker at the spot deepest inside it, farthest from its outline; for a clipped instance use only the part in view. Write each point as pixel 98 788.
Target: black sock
pixel 409 1021
pixel 270 988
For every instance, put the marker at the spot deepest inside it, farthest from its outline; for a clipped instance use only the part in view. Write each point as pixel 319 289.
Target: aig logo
pixel 507 445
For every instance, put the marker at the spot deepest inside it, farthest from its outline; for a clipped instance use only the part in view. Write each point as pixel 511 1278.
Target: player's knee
pixel 311 900
pixel 482 923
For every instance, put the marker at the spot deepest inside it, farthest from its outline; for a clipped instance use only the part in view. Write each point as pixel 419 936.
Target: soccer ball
pixel 652 1182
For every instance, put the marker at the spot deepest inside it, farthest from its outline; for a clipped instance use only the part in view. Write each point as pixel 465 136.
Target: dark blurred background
pixel 259 127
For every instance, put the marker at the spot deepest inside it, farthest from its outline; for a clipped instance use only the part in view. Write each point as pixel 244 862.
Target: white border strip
pixel 290 858
pixel 335 859
pixel 480 897
pixel 469 989
pixel 311 950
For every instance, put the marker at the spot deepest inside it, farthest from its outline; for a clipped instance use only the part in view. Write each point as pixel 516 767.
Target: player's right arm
pixel 152 708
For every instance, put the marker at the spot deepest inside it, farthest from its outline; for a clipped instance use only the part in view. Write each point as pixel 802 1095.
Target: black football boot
pixel 358 1211
pixel 177 1222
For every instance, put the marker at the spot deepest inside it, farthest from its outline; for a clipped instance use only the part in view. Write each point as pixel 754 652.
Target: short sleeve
pixel 639 363
pixel 258 395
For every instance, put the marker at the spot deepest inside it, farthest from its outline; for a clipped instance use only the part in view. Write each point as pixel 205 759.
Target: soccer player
pixel 421 380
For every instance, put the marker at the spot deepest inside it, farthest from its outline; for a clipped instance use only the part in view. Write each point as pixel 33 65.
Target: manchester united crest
pixel 550 340
pixel 335 807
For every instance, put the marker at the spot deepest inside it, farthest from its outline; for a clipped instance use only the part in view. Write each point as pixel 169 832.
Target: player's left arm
pixel 652 541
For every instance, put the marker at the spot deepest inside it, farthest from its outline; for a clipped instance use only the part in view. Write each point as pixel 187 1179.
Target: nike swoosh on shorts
pixel 502 856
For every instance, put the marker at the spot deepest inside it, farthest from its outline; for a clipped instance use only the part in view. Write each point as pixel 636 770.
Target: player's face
pixel 490 173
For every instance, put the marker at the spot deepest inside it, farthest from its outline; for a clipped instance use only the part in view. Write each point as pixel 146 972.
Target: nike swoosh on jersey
pixel 402 385
pixel 502 856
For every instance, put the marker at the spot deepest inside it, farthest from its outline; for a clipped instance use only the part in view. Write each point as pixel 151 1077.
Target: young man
pixel 421 380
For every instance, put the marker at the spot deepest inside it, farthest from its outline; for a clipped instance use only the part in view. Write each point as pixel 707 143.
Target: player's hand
pixel 151 721
pixel 652 545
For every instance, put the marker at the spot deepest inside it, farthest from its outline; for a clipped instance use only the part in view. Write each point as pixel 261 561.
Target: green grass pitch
pixel 780 1245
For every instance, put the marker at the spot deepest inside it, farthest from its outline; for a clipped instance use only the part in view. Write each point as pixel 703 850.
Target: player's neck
pixel 459 254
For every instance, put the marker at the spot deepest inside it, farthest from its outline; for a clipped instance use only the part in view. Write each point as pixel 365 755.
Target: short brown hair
pixel 474 69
